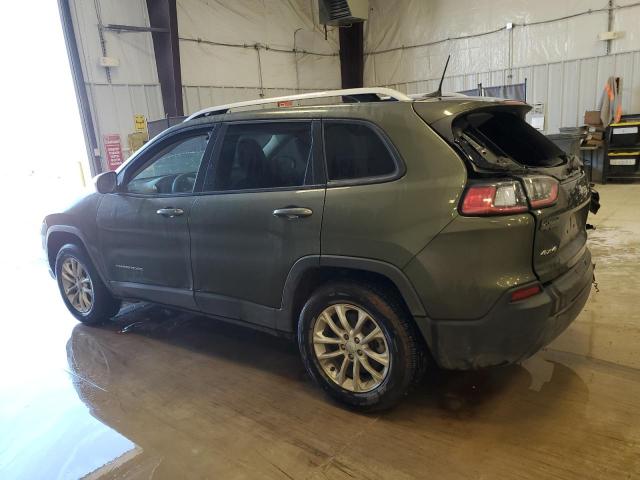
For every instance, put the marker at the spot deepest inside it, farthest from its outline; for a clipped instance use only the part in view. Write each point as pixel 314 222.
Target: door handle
pixel 170 212
pixel 292 213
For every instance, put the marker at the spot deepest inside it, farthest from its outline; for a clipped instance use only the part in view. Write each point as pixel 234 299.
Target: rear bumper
pixel 511 332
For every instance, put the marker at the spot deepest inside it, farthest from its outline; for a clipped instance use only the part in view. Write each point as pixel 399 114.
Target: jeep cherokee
pixel 384 235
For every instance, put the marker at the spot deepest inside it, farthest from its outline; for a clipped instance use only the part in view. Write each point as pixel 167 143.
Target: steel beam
pixel 133 28
pixel 352 55
pixel 163 18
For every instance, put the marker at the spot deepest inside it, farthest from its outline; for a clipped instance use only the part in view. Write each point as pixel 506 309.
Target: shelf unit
pixel 622 150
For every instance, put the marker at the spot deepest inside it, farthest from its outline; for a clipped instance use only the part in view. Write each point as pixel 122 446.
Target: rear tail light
pixel 494 199
pixel 541 190
pixel 525 292
pixel 509 197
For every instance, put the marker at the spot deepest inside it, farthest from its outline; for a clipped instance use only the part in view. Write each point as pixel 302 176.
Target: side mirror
pixel 106 182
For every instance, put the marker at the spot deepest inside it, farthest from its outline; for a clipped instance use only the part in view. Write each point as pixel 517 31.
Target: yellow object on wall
pixel 140 123
pixel 137 140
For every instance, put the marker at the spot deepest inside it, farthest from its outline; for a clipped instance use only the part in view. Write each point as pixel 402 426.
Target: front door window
pixel 173 169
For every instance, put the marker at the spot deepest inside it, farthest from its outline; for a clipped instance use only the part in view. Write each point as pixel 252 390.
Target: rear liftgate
pixel 513 168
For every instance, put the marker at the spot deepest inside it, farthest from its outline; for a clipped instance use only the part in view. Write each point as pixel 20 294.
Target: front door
pixel 144 227
pixel 260 212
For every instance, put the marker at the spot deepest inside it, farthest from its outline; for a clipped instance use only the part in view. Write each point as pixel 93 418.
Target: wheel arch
pixel 60 235
pixel 57 237
pixel 309 273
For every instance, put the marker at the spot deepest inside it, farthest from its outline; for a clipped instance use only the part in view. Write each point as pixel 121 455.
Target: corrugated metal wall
pixel 566 88
pixel 554 45
pixel 208 68
pixel 217 74
pixel 133 87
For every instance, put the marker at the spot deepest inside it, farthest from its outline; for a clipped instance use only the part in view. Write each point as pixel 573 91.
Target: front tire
pixel 81 288
pixel 359 345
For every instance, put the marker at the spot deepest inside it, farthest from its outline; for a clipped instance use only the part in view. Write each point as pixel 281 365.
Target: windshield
pixel 508 135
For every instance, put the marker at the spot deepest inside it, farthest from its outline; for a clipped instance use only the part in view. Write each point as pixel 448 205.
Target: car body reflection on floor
pixel 201 396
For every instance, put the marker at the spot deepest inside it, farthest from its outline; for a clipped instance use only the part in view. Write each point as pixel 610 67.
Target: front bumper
pixel 44 228
pixel 511 332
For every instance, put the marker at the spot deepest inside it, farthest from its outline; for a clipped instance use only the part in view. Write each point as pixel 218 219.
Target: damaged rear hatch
pixel 498 145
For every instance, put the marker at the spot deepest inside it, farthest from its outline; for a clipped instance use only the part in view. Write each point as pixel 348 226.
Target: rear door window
pixel 356 151
pixel 508 135
pixel 263 155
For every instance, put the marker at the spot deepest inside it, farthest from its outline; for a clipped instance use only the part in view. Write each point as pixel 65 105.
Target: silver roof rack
pixel 358 94
pixel 423 96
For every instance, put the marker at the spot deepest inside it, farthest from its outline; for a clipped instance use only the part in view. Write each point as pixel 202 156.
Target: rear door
pixel 260 212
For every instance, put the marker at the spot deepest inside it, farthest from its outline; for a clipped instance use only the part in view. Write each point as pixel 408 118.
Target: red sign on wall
pixel 113 148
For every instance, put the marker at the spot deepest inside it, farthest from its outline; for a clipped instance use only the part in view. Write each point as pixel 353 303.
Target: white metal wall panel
pixel 438 26
pixel 133 87
pixel 628 23
pixel 198 97
pixel 634 83
pixel 557 41
pixel 204 64
pixel 554 96
pixel 588 87
pixel 207 70
pixel 567 89
pixel 133 50
pixel 565 65
pixel 569 106
pixel 272 24
pixel 113 107
pixel 85 19
pixel 318 73
pixel 625 66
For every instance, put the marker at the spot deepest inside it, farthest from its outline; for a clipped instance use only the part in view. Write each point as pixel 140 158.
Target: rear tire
pixel 81 288
pixel 388 348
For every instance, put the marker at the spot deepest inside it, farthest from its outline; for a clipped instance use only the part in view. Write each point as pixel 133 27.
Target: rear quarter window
pixel 356 151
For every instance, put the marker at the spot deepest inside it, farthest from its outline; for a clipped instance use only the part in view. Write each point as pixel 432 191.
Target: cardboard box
pixel 592 117
pixel 598 135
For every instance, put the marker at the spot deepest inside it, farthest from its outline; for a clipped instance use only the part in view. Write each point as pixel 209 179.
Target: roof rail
pixel 424 96
pixel 358 94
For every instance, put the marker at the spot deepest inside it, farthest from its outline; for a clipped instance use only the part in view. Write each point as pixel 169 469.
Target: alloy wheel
pixel 77 285
pixel 351 347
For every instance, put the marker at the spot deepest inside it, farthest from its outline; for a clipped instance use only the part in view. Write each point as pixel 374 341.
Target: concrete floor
pixel 178 396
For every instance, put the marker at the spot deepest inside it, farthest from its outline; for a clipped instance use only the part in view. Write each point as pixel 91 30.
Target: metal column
pixel 163 18
pixel 352 55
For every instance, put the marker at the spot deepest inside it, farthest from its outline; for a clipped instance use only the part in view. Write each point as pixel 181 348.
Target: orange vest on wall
pixel 611 101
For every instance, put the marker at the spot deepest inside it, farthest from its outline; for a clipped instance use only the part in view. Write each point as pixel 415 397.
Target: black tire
pixel 405 345
pixel 104 305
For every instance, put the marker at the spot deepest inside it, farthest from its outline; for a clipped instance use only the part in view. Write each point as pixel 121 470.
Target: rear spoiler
pixel 451 108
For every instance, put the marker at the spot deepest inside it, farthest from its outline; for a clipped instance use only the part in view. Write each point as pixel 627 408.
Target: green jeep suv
pixel 384 234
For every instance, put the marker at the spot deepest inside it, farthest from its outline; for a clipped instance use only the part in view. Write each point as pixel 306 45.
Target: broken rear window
pixel 508 135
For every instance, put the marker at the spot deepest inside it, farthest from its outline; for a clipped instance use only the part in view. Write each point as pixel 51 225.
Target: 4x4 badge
pixel 548 251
